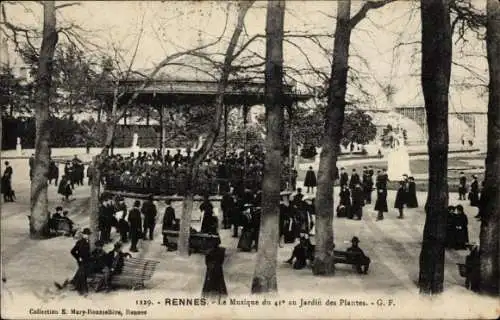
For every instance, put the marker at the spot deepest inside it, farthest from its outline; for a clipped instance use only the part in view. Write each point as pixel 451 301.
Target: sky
pixel 376 57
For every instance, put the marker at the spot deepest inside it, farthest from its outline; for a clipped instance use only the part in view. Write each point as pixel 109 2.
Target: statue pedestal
pixel 398 163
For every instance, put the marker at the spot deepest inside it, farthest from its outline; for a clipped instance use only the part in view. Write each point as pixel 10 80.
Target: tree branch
pixel 361 14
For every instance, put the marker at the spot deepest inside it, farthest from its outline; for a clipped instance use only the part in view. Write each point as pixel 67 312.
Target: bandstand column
pixel 163 130
pixel 245 137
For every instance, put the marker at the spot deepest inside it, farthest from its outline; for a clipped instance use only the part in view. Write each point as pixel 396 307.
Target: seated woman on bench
pixel 69 221
pixel 363 262
pixel 116 260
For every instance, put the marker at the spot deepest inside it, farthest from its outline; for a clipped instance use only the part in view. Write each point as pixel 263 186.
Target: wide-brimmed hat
pixel 86 231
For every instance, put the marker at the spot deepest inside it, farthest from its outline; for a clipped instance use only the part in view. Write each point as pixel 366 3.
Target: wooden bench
pixel 63 227
pixel 345 257
pixel 134 273
pixel 198 242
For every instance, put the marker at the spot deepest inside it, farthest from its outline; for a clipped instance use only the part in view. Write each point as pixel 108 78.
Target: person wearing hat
pixel 115 260
pixel 149 212
pixel 363 262
pixel 401 199
pixel 8 193
pixel 81 253
pixel 70 222
pixel 135 222
pixel 53 219
pixel 474 192
pixel 367 185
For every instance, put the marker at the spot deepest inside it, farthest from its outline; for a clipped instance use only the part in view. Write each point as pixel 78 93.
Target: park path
pixel 392 244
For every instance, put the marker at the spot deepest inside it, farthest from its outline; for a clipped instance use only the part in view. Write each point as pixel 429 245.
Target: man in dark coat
pixel 381 203
pixel 115 260
pixel 135 221
pixel 363 262
pixel 367 185
pixel 344 177
pixel 344 207
pixel 214 284
pixel 150 212
pixel 401 199
pixel 226 205
pixel 461 229
pixel 310 182
pixel 106 216
pixel 355 180
pixel 169 220
pixel 462 187
pixel 81 253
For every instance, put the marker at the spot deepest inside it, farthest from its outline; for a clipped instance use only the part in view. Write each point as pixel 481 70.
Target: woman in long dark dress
pixel 310 182
pixel 64 188
pixel 412 201
pixel 214 284
pixel 474 192
pixel 461 229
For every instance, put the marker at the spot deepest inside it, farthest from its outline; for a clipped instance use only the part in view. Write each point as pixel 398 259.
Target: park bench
pixel 63 227
pixel 134 274
pixel 198 242
pixel 345 257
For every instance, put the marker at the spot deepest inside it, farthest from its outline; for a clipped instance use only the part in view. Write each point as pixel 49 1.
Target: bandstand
pixel 162 95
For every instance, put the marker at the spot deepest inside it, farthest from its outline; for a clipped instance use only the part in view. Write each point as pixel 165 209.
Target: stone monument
pixel 398 159
pixel 19 147
pixel 135 146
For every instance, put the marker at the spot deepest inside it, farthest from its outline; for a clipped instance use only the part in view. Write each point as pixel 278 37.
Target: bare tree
pixel 490 196
pixel 264 278
pixel 436 69
pixel 39 202
pixel 200 155
pixel 334 120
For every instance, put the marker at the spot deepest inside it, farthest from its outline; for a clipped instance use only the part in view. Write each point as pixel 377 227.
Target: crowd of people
pixel 356 193
pixel 150 173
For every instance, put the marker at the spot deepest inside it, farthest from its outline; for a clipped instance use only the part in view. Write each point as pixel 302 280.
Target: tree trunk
pixel 95 186
pixel 39 202
pixel 264 278
pixel 490 213
pixel 436 68
pixel 193 168
pixel 323 259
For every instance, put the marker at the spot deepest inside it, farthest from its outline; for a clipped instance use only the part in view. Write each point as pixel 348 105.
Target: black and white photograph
pixel 251 159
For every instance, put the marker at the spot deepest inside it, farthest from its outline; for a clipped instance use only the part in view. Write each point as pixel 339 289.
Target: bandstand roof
pixel 197 92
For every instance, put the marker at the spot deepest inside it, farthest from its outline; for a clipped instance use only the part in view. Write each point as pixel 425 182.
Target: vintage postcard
pixel 250 159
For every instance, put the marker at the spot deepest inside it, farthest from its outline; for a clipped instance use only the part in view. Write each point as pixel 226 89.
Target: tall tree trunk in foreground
pixel 264 278
pixel 201 154
pixel 436 68
pixel 95 185
pixel 39 202
pixel 490 222
pixel 323 260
